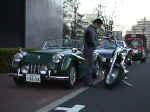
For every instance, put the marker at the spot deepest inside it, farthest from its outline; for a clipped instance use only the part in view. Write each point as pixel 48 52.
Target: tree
pixel 71 11
pixel 107 20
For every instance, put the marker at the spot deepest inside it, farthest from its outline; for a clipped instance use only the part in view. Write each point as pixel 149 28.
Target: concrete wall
pixel 44 20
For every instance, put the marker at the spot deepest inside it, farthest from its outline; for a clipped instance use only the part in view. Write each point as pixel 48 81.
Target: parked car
pixel 59 59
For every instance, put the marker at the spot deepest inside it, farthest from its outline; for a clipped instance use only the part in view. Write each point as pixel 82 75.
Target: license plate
pixel 33 78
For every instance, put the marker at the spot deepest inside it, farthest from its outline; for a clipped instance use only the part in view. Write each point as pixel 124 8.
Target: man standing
pixel 90 43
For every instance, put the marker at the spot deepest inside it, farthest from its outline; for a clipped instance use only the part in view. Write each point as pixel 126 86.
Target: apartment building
pixel 142 27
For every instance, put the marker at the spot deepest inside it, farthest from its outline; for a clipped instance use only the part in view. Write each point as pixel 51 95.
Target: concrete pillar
pixel 44 20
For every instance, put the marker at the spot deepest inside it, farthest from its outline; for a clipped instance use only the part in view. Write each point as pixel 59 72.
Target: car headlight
pixel 25 69
pixel 43 72
pixel 56 58
pixel 18 57
pixel 43 69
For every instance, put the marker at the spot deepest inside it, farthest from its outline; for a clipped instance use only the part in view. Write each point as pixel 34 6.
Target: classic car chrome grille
pixel 34 68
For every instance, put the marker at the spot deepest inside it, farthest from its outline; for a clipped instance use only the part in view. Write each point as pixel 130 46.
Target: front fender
pixel 71 59
pixel 67 61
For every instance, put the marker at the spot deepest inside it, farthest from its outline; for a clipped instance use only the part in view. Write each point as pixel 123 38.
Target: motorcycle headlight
pixel 25 69
pixel 56 58
pixel 123 55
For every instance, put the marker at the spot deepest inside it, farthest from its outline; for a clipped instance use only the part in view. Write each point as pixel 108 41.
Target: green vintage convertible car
pixel 57 60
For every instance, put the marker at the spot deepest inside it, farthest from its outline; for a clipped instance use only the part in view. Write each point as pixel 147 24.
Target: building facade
pixel 142 27
pixel 28 23
pixel 117 35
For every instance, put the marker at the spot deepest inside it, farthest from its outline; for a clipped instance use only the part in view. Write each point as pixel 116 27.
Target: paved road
pixel 122 98
pixel 29 98
pixel 119 99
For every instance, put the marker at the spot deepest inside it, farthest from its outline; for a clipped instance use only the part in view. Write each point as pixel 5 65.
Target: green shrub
pixel 6 56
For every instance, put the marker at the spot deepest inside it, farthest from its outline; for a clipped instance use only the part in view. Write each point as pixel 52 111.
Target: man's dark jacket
pixel 90 38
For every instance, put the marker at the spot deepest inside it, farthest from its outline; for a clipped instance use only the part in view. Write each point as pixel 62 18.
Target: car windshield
pixel 134 43
pixel 107 45
pixel 63 43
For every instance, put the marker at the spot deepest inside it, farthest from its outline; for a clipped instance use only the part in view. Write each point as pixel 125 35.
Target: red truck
pixel 138 43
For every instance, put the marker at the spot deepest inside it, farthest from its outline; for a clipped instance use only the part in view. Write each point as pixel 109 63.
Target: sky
pixel 126 12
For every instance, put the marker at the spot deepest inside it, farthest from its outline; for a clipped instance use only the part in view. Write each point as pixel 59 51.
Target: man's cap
pixel 98 21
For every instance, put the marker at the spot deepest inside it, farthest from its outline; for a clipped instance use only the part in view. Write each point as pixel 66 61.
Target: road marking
pixel 75 108
pixel 62 100
pixel 127 83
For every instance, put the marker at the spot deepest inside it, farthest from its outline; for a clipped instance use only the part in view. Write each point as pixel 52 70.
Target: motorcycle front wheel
pixel 114 78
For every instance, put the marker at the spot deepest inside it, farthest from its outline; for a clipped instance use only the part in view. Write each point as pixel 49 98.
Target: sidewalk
pixel 30 97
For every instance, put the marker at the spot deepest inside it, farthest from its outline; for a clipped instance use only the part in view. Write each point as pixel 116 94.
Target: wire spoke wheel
pixel 113 78
pixel 72 78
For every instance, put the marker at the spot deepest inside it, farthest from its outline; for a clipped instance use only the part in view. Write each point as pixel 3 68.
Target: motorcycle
pixel 113 64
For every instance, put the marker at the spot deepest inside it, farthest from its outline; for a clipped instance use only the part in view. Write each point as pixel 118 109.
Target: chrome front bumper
pixel 46 76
